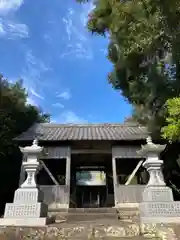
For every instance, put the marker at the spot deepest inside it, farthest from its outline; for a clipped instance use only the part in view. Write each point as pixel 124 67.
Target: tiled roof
pixel 63 132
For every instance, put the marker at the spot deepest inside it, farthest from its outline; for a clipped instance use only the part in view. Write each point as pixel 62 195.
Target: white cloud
pixel 9 5
pixel 2 30
pixel 58 105
pixel 30 58
pixel 78 50
pixel 34 62
pixel 69 117
pixel 31 101
pixel 11 30
pixel 78 42
pixel 87 8
pixel 65 95
pixel 68 24
pixel 33 70
pixel 47 37
pixel 34 93
pixel 53 120
pixel 104 51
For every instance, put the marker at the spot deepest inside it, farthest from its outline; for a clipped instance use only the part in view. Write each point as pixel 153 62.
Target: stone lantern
pixel 31 165
pixel 157 205
pixel 155 189
pixel 27 208
pixel 153 164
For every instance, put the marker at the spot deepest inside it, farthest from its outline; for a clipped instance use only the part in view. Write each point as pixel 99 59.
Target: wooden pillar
pixel 68 170
pixel 114 171
pixel 68 173
pixel 63 153
pixel 115 183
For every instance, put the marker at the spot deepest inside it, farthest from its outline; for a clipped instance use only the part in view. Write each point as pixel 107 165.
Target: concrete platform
pixel 24 222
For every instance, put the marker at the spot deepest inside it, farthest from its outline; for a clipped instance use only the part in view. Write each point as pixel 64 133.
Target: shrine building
pixel 88 165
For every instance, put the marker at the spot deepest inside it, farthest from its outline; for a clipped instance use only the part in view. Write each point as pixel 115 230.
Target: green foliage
pixel 144 49
pixel 144 39
pixel 16 116
pixel 172 130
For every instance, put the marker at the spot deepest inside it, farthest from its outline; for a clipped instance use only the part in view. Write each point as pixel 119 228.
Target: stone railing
pixel 129 193
pixel 55 196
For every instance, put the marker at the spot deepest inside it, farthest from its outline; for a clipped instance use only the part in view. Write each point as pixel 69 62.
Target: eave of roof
pixel 65 132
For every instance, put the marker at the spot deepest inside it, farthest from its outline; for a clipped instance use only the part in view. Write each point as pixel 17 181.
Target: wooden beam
pixel 49 173
pixel 91 151
pixel 134 172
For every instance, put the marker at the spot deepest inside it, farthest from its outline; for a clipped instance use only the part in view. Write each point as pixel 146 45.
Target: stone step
pixel 90 217
pixel 128 213
pixel 82 214
pixel 80 217
pixel 94 214
pixel 85 210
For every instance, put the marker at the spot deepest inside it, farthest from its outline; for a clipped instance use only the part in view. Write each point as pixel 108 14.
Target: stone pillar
pixel 27 208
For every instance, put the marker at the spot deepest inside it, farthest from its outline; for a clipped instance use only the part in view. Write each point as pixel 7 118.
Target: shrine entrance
pixel 91 196
pixel 91 181
pixel 91 187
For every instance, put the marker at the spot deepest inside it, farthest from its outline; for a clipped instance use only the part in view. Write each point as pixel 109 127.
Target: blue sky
pixel 64 67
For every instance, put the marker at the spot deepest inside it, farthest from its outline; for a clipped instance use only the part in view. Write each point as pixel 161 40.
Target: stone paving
pixel 77 230
pixel 56 233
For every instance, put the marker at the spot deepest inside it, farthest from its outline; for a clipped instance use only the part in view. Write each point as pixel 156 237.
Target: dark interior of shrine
pixel 93 195
pixel 57 168
pixel 124 168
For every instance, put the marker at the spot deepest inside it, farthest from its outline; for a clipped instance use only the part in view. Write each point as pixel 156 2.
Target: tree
pixel 16 116
pixel 172 130
pixel 144 50
pixel 144 40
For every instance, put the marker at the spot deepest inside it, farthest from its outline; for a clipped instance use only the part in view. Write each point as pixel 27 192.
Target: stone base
pixel 28 195
pixel 159 209
pixel 23 222
pixel 162 220
pixel 157 194
pixel 25 210
pixel 127 205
